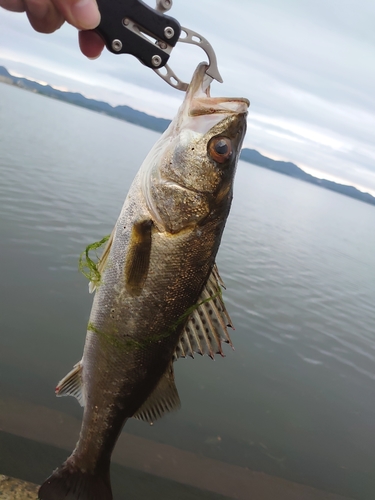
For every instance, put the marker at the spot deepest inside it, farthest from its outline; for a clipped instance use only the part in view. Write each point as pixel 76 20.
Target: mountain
pixel 122 112
pixel 160 124
pixel 288 168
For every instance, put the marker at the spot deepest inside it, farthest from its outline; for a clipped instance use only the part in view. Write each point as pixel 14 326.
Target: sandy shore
pixel 15 489
pixel 51 427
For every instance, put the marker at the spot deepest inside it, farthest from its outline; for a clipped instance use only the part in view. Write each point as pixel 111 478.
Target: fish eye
pixel 220 149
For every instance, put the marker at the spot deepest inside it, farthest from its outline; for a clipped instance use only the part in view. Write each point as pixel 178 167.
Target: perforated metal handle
pixel 132 27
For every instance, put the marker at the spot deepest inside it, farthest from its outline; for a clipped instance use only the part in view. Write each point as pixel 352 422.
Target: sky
pixel 307 67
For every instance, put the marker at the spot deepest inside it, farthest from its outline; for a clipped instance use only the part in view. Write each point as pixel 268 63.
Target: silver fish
pixel 159 294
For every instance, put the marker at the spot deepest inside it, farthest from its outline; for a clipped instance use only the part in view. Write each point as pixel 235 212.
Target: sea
pixel 289 413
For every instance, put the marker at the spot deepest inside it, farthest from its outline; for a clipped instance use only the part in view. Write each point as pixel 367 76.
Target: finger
pixel 90 43
pixel 83 14
pixel 43 15
pixel 13 5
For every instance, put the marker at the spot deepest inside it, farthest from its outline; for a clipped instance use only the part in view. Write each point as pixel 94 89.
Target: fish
pixel 158 291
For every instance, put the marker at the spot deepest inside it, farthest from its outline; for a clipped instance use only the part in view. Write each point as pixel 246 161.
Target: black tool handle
pixel 112 30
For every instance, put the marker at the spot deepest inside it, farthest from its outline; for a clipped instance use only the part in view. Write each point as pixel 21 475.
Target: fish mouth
pixel 199 111
pixel 200 102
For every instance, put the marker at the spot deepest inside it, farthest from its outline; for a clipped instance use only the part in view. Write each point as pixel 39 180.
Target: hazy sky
pixel 307 66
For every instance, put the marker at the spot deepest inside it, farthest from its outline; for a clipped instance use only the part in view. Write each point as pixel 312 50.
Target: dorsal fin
pixel 162 400
pixel 207 326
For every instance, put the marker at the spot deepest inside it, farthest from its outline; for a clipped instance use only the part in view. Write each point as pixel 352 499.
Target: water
pixel 295 400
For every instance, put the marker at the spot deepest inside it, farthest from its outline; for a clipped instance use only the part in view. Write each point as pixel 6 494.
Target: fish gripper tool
pixel 132 27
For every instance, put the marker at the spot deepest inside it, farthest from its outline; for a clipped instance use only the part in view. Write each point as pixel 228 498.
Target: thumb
pixel 83 14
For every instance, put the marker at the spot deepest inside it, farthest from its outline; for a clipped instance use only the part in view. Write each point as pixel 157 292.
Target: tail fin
pixel 70 483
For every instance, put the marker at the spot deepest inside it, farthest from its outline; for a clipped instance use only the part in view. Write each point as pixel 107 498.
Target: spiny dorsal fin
pixel 207 325
pixel 162 400
pixel 138 258
pixel 71 385
pixel 103 260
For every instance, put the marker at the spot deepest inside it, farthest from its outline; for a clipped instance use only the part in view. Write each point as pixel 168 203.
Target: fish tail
pixel 68 482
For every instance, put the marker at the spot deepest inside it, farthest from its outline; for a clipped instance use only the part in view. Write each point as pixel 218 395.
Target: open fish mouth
pixel 218 105
pixel 200 102
pixel 199 111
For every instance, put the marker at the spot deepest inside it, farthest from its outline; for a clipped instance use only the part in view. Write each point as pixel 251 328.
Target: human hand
pixel 46 16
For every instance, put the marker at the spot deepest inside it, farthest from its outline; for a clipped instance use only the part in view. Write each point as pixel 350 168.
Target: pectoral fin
pixel 138 257
pixel 162 400
pixel 207 326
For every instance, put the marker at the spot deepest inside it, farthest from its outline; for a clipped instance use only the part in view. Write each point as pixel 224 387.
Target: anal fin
pixel 71 385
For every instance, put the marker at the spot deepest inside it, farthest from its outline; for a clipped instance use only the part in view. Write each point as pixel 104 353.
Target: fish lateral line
pixel 125 343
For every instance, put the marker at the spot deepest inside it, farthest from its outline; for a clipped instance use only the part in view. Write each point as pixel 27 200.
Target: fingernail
pixel 93 58
pixel 86 14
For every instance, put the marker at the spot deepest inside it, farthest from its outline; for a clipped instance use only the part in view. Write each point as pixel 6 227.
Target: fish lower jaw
pixel 218 105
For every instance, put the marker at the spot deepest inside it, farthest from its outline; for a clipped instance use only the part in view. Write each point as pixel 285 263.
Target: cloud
pixel 307 68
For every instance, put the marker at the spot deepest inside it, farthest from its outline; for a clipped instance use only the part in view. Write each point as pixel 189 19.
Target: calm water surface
pixel 296 399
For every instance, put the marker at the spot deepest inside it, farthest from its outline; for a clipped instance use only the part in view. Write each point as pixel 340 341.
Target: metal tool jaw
pixel 132 27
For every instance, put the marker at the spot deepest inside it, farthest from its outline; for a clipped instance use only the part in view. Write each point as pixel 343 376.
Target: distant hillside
pixel 122 112
pixel 288 168
pixel 160 124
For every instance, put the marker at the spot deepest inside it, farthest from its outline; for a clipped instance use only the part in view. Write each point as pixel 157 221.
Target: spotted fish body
pixel 159 296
